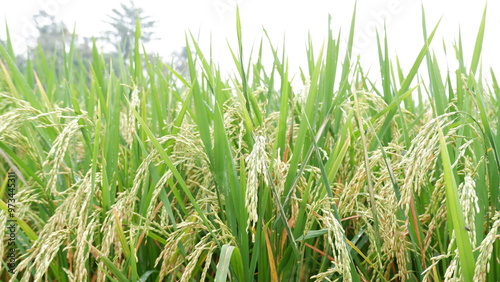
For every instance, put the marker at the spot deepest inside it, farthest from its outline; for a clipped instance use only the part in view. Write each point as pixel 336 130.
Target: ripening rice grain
pixel 257 165
pixel 336 240
pixel 485 250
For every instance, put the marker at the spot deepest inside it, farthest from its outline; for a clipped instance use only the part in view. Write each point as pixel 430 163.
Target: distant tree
pixel 123 23
pixel 53 40
pixel 180 61
pixel 52 35
pixel 84 47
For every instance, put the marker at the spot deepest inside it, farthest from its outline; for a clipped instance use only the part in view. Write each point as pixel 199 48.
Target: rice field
pixel 131 171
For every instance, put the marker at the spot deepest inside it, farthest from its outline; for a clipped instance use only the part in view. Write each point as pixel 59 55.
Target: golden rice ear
pixel 257 163
pixel 337 242
pixel 486 249
pixel 128 120
pixel 422 156
pixel 57 153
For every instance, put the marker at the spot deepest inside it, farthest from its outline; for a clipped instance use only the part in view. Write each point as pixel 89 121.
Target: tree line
pixel 54 38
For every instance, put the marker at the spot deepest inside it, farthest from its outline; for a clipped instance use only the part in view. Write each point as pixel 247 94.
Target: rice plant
pixel 129 171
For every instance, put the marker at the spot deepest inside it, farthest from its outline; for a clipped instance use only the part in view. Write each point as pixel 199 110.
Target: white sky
pixel 293 18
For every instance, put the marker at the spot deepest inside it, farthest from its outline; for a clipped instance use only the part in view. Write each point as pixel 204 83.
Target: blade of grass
pixel 454 209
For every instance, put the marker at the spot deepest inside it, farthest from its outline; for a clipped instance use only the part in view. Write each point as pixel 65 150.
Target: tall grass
pixel 141 174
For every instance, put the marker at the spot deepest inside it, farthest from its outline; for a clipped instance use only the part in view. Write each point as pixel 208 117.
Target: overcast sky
pixel 216 18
